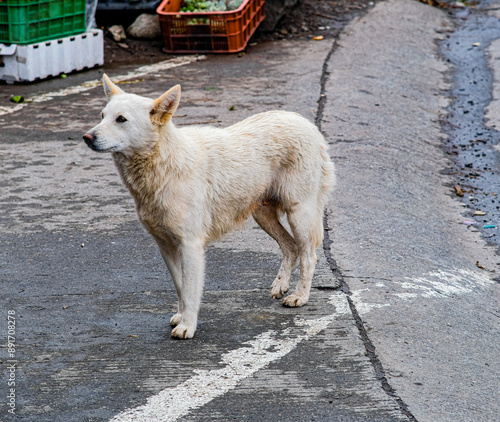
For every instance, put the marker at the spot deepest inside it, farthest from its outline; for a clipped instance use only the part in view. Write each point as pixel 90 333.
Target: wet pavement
pixel 91 293
pixel 471 141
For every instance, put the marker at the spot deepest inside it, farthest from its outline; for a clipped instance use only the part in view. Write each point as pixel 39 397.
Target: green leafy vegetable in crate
pixel 200 6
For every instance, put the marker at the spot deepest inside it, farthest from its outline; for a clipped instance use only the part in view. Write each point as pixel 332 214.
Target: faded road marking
pixel 444 284
pixel 363 307
pixel 141 71
pixel 436 284
pixel 173 403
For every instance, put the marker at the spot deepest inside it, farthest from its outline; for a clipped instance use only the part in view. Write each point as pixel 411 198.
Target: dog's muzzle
pixel 89 139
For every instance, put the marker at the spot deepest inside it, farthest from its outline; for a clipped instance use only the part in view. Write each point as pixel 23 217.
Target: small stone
pixel 145 26
pixel 117 32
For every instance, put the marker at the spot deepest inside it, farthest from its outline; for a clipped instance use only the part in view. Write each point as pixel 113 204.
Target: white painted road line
pixel 445 284
pixel 137 73
pixel 173 403
pixel 437 284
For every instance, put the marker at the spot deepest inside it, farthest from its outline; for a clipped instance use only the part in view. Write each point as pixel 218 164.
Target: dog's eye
pixel 121 119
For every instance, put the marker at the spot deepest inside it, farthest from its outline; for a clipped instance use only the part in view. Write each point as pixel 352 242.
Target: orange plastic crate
pixel 209 32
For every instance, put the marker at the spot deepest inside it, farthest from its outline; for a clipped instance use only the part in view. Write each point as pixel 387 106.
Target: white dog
pixel 195 184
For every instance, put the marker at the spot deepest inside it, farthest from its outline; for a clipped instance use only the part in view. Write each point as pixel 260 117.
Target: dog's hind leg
pixel 267 218
pixel 172 259
pixel 307 228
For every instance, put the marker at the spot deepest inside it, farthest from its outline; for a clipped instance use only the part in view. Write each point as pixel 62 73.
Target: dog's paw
pixel 279 288
pixel 294 301
pixel 175 320
pixel 183 331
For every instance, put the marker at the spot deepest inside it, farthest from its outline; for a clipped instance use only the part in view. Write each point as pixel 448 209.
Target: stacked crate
pixel 41 38
pixel 209 32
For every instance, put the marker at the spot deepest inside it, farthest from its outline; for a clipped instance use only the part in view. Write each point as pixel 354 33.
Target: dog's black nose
pixel 89 138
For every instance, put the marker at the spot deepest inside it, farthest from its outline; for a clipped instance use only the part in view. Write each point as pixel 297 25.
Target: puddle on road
pixel 471 143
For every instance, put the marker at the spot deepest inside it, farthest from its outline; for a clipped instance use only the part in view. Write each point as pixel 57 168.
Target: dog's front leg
pixel 172 258
pixel 193 273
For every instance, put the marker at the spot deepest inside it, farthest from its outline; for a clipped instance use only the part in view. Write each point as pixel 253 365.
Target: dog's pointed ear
pixel 165 106
pixel 110 88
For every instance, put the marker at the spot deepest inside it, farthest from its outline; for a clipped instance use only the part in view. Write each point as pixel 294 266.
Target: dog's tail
pixel 328 177
pixel 328 181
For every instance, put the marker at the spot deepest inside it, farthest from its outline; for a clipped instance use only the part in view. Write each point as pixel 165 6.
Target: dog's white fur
pixel 193 185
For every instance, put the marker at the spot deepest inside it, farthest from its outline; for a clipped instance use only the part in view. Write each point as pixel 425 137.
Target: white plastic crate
pixel 51 58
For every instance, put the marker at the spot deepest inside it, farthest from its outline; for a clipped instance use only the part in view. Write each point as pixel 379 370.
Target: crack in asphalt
pixel 344 287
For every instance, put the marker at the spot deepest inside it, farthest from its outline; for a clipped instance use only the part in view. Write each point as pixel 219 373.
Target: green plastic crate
pixel 27 22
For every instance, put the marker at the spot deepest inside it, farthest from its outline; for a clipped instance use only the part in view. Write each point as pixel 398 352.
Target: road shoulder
pixel 397 237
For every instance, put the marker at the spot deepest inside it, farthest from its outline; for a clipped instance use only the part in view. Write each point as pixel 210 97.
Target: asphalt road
pixel 402 324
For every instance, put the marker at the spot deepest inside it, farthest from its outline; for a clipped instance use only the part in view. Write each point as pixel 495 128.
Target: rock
pixel 117 32
pixel 145 26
